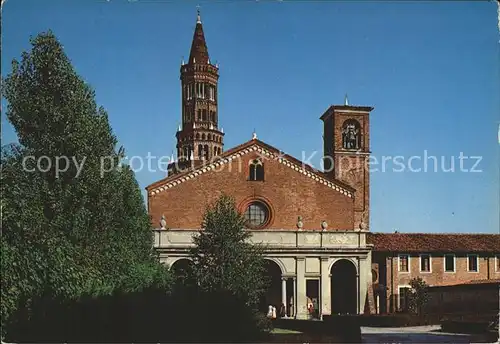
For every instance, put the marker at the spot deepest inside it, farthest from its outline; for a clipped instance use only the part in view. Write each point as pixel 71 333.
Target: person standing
pixel 283 311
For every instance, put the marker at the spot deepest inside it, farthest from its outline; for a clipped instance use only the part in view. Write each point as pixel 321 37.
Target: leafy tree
pixel 74 220
pixel 229 272
pixel 418 295
pixel 223 259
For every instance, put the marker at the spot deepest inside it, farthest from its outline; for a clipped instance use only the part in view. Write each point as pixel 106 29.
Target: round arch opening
pixel 344 287
pixel 272 294
pixel 181 269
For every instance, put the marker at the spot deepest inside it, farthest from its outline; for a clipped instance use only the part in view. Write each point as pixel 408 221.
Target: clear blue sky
pixel 430 69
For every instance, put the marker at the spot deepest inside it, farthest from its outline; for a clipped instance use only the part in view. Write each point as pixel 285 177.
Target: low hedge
pixel 463 326
pixel 470 323
pixel 147 316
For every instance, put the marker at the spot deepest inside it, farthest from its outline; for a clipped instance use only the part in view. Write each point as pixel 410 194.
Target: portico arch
pixel 272 296
pixel 180 263
pixel 349 259
pixel 278 262
pixel 181 269
pixel 344 289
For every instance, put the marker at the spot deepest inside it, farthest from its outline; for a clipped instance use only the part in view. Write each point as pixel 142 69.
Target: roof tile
pixel 434 242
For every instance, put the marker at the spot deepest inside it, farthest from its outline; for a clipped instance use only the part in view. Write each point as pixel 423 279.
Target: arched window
pixel 215 150
pixel 257 215
pixel 209 137
pixel 351 134
pixel 256 170
pixel 206 152
pixel 203 137
pixel 197 136
pixel 200 151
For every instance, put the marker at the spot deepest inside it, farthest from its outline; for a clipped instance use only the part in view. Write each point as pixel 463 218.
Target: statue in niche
pixel 351 136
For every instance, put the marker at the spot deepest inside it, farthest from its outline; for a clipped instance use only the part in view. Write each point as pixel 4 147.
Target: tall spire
pixel 199 50
pixel 198 137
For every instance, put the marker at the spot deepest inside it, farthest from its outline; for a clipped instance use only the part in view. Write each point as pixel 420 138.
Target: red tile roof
pixel 427 242
pixel 471 282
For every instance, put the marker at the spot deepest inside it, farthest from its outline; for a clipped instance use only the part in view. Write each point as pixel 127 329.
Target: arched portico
pixel 181 264
pixel 339 262
pixel 181 269
pixel 344 287
pixel 272 295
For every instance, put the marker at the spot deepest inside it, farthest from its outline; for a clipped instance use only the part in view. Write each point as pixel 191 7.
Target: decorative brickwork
pixel 199 137
pixel 291 190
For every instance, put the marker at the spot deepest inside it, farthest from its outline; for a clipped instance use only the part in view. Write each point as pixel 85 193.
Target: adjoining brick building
pixel 315 223
pixel 439 259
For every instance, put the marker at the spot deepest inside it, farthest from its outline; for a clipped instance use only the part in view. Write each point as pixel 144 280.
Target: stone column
pixel 325 297
pixel 358 297
pixel 301 289
pixel 294 309
pixel 283 293
pixel 364 272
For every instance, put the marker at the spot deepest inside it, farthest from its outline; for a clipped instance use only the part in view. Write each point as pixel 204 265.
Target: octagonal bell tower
pixel 199 138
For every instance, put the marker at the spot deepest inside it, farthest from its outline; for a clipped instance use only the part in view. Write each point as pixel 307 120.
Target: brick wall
pixel 393 278
pixel 289 193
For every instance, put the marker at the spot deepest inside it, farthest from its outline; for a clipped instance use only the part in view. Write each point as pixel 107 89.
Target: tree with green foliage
pixel 74 221
pixel 223 258
pixel 228 267
pixel 418 295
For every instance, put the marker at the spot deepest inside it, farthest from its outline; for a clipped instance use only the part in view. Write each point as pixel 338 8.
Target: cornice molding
pixel 251 149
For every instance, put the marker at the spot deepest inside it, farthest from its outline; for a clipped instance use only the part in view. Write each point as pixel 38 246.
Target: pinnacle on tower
pixel 199 50
pixel 346 101
pixel 198 16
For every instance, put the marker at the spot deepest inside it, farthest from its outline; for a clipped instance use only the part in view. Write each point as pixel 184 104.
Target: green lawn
pixel 283 331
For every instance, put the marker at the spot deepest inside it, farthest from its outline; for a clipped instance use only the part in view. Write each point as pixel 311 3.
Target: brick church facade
pixel 316 224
